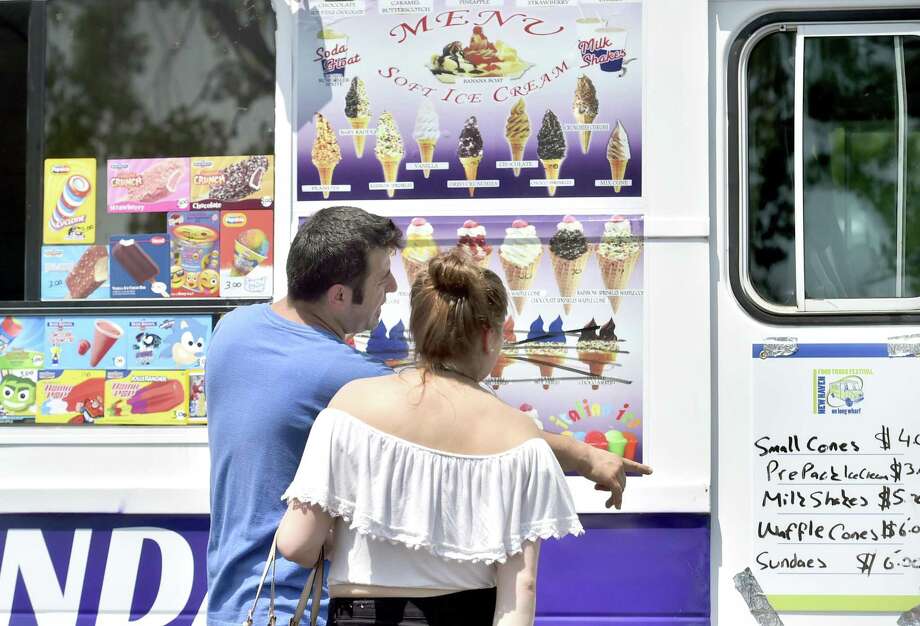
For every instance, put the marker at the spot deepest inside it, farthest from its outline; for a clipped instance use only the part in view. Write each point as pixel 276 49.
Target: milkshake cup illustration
pixel 105 334
pixel 614 50
pixel 585 27
pixel 333 43
pixel 250 249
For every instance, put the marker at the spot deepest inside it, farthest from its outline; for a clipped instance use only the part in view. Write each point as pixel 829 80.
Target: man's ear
pixel 337 295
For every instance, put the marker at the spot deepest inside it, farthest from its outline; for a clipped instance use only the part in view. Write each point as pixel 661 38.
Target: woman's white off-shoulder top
pixel 412 516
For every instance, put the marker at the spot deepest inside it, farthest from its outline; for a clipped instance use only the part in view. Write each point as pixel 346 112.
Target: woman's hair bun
pixel 454 274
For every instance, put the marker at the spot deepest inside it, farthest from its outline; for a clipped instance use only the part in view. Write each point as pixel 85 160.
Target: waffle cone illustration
pixel 426 150
pixel 325 178
pixel 413 268
pixel 483 262
pixel 390 173
pixel 617 171
pixel 584 135
pixel 551 167
pixel 517 153
pixel 359 123
pixel 568 275
pixel 616 273
pixel 470 168
pixel 520 278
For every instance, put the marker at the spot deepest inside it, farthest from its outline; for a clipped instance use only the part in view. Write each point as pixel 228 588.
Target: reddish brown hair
pixel 451 303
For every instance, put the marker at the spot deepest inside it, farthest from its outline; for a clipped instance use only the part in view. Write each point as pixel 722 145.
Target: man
pixel 272 368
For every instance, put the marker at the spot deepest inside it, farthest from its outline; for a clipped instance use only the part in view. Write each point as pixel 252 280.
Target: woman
pixel 438 492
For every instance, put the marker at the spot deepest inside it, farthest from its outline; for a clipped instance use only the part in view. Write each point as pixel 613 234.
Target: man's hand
pixel 608 473
pixel 606 470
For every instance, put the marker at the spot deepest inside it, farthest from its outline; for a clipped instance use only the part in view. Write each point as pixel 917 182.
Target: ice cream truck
pixel 702 210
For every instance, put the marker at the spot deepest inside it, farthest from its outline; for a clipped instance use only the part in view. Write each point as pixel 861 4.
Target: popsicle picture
pixel 140 266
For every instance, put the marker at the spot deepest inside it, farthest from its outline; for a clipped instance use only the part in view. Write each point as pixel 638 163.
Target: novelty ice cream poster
pixel 466 101
pixel 574 335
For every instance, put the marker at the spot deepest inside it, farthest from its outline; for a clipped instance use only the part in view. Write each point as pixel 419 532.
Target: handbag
pixel 313 587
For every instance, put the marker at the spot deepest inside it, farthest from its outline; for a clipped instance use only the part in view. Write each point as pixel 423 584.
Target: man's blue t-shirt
pixel 266 379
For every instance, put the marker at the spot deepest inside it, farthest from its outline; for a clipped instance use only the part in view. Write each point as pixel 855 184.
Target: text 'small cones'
pixel 517 131
pixel 358 113
pixel 420 248
pixel 551 148
pixel 617 255
pixel 618 154
pixel 426 133
pixel 520 256
pixel 389 149
pixel 469 150
pixel 326 153
pixel 569 252
pixel 585 109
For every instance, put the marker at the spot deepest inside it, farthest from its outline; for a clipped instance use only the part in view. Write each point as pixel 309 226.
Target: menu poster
pixel 470 102
pixel 233 182
pixel 148 185
pixel 836 484
pixel 85 342
pixel 246 254
pixel 22 342
pixel 574 336
pixel 194 253
pixel 140 266
pixel 75 272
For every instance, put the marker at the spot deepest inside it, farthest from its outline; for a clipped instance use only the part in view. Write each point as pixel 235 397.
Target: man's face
pixel 377 284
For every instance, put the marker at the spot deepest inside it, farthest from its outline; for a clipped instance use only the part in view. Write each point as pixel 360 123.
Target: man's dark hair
pixel 331 248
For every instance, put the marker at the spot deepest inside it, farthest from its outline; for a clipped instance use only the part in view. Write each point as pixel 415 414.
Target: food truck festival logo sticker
pixel 838 391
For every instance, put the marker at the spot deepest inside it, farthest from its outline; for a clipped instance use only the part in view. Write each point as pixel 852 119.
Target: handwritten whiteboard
pixel 836 478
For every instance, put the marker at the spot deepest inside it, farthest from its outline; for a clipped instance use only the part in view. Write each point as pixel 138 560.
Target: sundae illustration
pixel 469 150
pixel 569 252
pixel 585 108
pixel 517 131
pixel 618 154
pixel 481 58
pixel 551 148
pixel 326 153
pixel 426 133
pixel 520 255
pixel 389 149
pixel 617 256
pixel 358 112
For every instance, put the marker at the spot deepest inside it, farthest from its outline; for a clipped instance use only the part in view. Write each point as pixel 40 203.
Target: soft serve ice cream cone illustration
pixel 551 148
pixel 585 108
pixel 469 150
pixel 358 112
pixel 326 153
pixel 618 154
pixel 389 149
pixel 517 131
pixel 420 248
pixel 426 133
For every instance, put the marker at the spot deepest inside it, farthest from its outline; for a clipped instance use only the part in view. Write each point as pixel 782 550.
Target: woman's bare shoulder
pixel 362 393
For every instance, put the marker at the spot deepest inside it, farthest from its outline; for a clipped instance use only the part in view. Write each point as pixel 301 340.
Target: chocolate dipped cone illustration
pixel 585 108
pixel 358 112
pixel 551 148
pixel 469 150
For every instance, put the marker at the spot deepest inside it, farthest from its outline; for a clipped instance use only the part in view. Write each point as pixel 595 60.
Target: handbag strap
pixel 269 562
pixel 313 587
